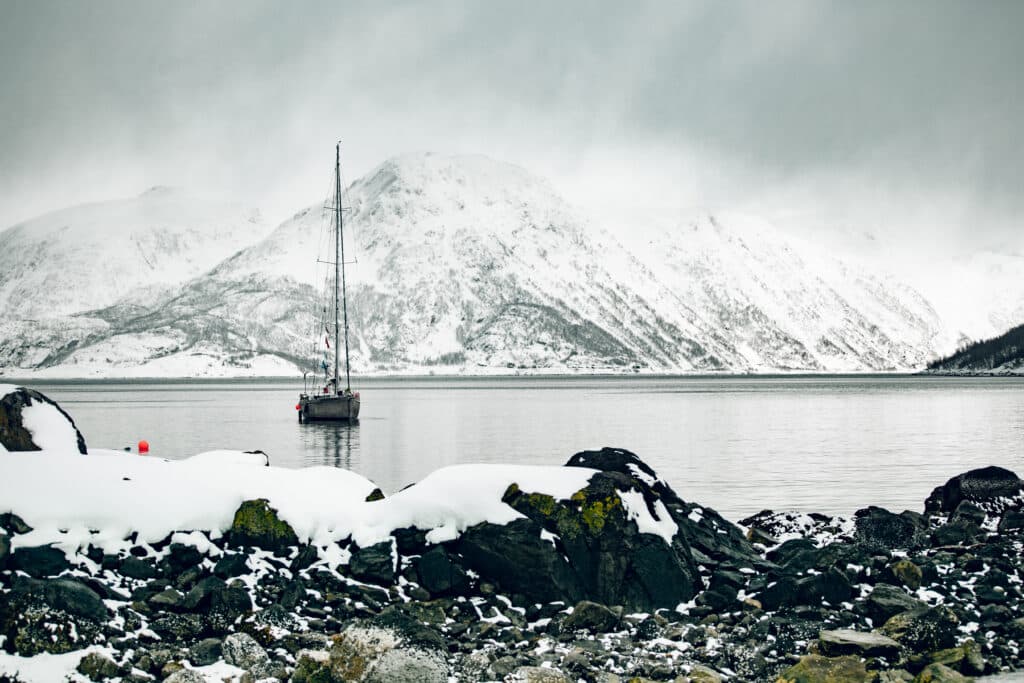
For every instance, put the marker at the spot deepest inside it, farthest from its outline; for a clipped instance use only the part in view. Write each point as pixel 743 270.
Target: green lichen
pixel 257 523
pixel 594 513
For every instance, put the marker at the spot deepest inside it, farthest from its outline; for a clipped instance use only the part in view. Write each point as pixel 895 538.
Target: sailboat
pixel 331 402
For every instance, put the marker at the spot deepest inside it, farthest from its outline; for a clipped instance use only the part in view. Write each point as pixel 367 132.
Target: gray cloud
pixel 823 109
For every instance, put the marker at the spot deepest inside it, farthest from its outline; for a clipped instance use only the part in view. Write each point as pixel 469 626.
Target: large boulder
pixel 389 648
pixel 611 535
pixel 50 615
pixel 29 421
pixel 990 488
pixel 877 529
pixel 925 629
pixel 818 669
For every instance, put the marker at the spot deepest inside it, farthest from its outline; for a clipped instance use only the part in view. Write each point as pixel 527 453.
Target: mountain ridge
pixel 471 266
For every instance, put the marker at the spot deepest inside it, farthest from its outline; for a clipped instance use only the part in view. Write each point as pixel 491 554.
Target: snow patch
pixel 50 429
pixel 659 524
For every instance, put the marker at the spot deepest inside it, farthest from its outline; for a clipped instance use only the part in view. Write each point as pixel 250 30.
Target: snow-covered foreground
pixel 73 500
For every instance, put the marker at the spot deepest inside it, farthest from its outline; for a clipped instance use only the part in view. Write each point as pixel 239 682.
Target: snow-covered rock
pixel 29 421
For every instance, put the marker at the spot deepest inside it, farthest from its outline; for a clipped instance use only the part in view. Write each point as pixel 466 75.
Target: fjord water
pixel 737 444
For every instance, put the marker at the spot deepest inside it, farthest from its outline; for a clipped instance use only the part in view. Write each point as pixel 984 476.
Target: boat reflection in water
pixel 335 444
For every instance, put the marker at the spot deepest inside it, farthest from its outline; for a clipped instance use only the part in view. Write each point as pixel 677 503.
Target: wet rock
pixel 1012 520
pixel 987 487
pixel 860 643
pixel 257 524
pixel 923 629
pixel 831 586
pixel 242 650
pixel 818 669
pixel 961 532
pixel 782 593
pixel 879 529
pixel 966 658
pixel 374 564
pixel 593 617
pixel 39 561
pixel 15 436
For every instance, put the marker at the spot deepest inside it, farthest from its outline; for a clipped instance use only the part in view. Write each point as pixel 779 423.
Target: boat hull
pixel 329 408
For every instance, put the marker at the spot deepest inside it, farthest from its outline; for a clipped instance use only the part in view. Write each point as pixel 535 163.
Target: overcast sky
pixel 900 118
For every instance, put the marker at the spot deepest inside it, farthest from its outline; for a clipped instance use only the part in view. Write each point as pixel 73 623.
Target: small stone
pixel 885 601
pixel 205 652
pixel 702 674
pixel 185 676
pixel 375 564
pixel 907 573
pixel 539 674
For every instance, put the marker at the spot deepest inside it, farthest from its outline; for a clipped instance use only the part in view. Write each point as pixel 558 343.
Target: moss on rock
pixel 257 524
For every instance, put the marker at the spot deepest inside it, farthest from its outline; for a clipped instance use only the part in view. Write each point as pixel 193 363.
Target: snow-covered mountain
pixel 465 264
pixel 91 256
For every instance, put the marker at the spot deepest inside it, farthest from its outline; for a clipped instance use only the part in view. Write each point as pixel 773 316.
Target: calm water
pixel 736 444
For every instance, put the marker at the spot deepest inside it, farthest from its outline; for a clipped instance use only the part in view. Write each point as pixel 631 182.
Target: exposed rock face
pixel 15 435
pixel 54 615
pixel 989 487
pixel 879 529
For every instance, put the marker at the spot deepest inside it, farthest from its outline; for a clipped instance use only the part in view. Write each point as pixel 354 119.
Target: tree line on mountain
pixel 988 354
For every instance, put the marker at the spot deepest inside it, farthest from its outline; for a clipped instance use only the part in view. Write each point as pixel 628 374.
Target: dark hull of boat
pixel 329 409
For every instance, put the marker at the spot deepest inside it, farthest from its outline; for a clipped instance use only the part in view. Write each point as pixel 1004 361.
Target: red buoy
pixel 143 446
pixel 298 406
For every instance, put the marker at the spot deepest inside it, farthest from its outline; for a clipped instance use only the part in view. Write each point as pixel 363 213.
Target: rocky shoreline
pixel 622 580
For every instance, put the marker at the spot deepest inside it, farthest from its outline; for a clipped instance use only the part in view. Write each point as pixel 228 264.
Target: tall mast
pixel 337 250
pixel 340 260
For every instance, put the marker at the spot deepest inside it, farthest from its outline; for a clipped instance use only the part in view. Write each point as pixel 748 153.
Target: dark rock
pixel 860 643
pixel 968 512
pixel 923 629
pixel 831 586
pixel 885 601
pixel 179 559
pixel 500 552
pixel 257 524
pixel 790 549
pixel 374 496
pixel 782 593
pixel 1012 520
pixel 960 532
pixel 591 616
pixel 879 529
pixel 14 436
pixel 50 615
pixel 987 487
pixel 437 573
pixel 231 565
pixel 720 598
pixel 374 564
pixel 67 595
pixel 167 599
pixel 134 568
pixel 205 652
pixel 13 524
pixel 39 561
pixel 5 550
pixel 304 559
pixel 609 559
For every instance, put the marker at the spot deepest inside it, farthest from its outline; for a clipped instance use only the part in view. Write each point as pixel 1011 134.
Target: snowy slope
pixel 92 256
pixel 465 264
